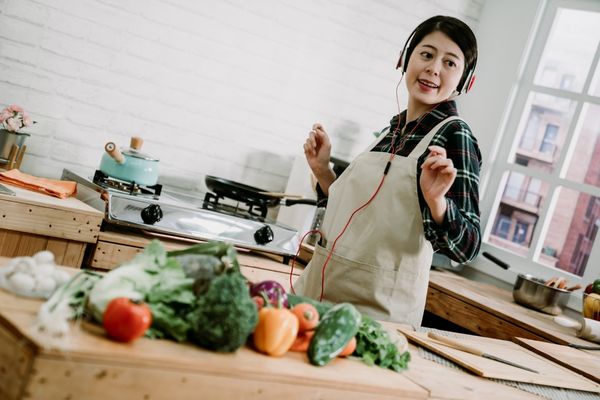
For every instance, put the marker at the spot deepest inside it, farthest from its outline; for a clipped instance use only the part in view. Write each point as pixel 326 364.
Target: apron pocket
pixel 382 293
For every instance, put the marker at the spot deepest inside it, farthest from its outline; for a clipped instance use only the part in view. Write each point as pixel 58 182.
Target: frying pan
pixel 249 194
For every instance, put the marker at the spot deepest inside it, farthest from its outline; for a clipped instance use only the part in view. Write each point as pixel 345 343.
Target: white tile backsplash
pixel 227 88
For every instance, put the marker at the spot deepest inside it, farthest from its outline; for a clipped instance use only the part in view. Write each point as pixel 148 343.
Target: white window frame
pixel 496 178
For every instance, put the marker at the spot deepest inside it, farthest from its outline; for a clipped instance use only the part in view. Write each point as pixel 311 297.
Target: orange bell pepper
pixel 276 331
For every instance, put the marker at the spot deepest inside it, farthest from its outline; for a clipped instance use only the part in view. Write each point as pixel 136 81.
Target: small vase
pixel 8 139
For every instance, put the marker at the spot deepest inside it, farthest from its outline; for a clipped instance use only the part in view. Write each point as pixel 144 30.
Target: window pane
pixel 572 231
pixel 584 165
pixel 542 131
pixel 569 50
pixel 518 212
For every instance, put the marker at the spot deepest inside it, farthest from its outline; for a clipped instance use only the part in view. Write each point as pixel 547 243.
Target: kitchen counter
pixel 87 365
pixel 31 222
pixel 486 310
pixel 489 311
pixel 115 247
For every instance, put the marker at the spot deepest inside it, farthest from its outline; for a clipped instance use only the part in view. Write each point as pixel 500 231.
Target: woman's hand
pixel 437 176
pixel 317 150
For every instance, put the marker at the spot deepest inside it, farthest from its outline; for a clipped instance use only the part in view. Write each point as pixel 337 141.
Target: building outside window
pixel 546 208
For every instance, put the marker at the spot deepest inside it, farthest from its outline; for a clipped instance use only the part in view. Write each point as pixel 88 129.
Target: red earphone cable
pixel 385 172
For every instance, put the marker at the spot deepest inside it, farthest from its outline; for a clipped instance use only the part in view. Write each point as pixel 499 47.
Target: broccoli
pixel 225 315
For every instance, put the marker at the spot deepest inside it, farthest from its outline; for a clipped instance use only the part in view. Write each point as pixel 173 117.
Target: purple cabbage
pixel 272 290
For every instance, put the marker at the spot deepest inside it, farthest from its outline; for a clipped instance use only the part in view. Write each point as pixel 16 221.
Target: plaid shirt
pixel 459 236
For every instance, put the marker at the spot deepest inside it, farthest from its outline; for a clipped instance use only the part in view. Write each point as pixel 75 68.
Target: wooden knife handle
pixel 455 344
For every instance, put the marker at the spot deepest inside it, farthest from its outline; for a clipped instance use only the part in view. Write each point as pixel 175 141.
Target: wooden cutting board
pixel 579 361
pixel 550 374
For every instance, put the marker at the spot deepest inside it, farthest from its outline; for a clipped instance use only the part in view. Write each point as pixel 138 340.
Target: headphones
pixel 466 82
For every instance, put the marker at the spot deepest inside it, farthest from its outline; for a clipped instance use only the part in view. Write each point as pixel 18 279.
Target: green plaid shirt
pixel 459 237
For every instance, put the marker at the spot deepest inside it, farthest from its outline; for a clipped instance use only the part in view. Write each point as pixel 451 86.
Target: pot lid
pixel 137 154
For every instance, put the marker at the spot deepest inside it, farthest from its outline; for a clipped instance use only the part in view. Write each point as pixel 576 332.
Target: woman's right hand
pixel 317 150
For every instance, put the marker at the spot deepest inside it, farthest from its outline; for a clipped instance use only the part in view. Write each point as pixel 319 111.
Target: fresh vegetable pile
pixel 199 295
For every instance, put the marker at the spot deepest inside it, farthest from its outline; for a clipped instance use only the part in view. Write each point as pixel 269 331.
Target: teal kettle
pixel 130 164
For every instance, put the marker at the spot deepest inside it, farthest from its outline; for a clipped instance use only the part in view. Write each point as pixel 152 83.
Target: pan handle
pixel 291 202
pixel 495 260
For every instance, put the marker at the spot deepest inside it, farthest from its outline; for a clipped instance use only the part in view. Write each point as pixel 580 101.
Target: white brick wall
pixel 227 88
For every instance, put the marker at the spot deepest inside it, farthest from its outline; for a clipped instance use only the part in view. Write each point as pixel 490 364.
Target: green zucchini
pixel 337 327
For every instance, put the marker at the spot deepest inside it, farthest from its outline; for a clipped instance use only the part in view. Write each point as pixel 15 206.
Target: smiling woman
pixel 378 238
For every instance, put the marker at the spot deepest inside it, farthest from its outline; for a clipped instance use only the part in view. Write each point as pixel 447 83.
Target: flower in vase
pixel 13 118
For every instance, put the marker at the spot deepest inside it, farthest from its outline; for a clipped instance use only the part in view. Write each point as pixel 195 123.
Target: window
pixel 544 190
pixel 548 142
pixel 502 227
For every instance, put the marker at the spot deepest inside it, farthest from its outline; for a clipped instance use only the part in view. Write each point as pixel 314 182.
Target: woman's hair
pixel 456 30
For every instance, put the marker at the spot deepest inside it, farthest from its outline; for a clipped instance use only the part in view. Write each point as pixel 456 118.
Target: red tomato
pixel 125 320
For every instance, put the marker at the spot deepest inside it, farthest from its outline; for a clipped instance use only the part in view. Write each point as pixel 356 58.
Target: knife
pixel 473 350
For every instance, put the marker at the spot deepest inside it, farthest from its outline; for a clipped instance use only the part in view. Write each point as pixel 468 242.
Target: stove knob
pixel 264 235
pixel 152 214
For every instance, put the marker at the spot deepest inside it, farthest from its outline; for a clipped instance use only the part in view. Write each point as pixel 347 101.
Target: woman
pixel 414 191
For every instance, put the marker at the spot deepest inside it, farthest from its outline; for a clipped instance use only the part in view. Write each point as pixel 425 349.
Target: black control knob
pixel 264 235
pixel 152 214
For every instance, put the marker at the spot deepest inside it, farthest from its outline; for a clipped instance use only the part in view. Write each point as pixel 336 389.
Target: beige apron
pixel 381 263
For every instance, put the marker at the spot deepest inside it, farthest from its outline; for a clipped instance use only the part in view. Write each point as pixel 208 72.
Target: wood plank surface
pixel 586 363
pixel 444 382
pixel 473 318
pixel 17 244
pixel 29 197
pixel 113 248
pixel 16 359
pixel 49 219
pixel 485 302
pixel 550 374
pixel 86 363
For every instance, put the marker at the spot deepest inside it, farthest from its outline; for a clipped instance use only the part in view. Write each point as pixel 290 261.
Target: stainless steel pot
pixel 533 293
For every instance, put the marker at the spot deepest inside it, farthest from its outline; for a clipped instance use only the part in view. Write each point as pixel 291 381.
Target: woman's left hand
pixel 437 176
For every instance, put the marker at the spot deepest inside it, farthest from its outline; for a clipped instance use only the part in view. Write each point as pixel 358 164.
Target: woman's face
pixel 434 70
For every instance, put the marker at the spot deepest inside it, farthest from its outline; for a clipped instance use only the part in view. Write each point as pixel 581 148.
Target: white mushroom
pixel 21 283
pixel 44 257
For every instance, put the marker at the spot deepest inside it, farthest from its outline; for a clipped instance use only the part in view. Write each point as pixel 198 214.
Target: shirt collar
pixel 440 112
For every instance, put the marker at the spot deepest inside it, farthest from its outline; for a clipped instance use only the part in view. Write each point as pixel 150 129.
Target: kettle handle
pixel 112 150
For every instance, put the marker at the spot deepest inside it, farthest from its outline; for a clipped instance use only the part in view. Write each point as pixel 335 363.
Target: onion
pixel 273 290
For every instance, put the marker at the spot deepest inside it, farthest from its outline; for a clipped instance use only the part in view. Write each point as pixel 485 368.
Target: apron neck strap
pixel 424 143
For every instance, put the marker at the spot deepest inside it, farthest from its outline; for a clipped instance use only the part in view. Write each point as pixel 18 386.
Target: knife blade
pixel 473 350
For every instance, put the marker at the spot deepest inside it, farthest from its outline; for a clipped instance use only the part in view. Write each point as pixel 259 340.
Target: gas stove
pixel 157 211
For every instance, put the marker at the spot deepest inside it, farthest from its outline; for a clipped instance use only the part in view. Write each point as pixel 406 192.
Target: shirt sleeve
pixel 459 236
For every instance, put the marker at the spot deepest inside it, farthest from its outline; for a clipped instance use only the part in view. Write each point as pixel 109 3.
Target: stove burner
pixel 132 188
pixel 252 211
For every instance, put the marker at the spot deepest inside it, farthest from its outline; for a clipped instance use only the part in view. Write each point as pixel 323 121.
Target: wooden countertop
pixel 41 214
pixel 490 311
pixel 87 365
